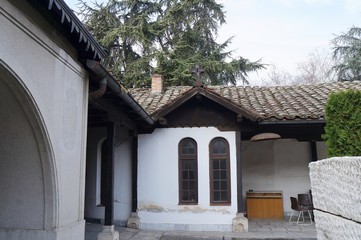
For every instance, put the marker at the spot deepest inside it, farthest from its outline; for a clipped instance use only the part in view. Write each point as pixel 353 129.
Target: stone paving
pixel 258 229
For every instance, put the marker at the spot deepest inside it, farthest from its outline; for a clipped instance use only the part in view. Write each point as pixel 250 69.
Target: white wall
pixel 54 86
pixel 122 175
pixel 96 137
pixel 280 165
pixel 158 182
pixel 123 182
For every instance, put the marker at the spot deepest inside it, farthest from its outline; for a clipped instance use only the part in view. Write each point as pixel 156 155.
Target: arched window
pixel 219 171
pixel 188 171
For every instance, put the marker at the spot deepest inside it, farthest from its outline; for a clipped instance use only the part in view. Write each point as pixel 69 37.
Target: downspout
pixel 120 91
pixel 100 92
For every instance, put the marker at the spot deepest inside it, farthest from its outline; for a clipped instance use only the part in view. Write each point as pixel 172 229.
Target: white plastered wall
pixel 158 182
pixel 122 175
pixel 56 86
pixel 280 165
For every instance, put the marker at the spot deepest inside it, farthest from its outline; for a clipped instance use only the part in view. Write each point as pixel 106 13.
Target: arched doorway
pixel 27 176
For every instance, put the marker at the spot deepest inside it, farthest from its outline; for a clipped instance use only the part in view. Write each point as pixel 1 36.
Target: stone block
pixel 334 227
pixel 240 223
pixel 336 186
pixel 133 221
pixel 108 233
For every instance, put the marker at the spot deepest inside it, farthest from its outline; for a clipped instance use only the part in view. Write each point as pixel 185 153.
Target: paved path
pixel 260 229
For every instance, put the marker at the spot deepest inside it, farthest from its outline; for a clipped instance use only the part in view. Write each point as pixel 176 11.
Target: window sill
pixel 220 204
pixel 190 203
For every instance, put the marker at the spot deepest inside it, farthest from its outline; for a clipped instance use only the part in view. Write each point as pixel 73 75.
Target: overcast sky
pixel 283 32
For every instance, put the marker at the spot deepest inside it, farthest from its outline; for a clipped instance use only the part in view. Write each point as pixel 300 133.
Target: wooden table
pixel 264 204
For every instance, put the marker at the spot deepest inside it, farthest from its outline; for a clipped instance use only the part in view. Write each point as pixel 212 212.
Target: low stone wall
pixel 336 191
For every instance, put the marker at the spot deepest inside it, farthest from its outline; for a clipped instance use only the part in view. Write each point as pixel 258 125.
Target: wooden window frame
pixel 225 157
pixel 187 157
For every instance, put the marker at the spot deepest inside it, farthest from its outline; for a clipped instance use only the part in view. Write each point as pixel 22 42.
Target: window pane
pixel 216 196
pixel 223 164
pixel 192 185
pixel 216 185
pixel 224 185
pixel 185 185
pixel 219 147
pixel 215 164
pixel 190 164
pixel 216 174
pixel 192 150
pixel 223 174
pixel 191 175
pixel 188 147
pixel 185 196
pixel 224 195
pixel 184 164
pixel 193 196
pixel 184 175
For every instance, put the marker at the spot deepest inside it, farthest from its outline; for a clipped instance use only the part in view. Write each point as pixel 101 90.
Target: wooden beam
pixel 109 181
pixel 240 202
pixel 134 173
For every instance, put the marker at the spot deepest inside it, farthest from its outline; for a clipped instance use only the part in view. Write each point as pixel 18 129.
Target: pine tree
pixel 168 37
pixel 347 52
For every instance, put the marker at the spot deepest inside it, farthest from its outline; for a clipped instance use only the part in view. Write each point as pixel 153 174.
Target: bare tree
pixel 276 77
pixel 316 69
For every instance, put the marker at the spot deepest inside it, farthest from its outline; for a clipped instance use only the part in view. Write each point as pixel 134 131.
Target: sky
pixel 282 32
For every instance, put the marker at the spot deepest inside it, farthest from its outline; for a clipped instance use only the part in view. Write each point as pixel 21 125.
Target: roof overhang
pixel 58 13
pixel 302 130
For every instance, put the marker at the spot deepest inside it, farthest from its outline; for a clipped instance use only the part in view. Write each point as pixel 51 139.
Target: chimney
pixel 157 83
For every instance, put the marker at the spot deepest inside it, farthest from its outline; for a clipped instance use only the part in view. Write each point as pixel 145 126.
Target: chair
pixel 296 206
pixel 305 201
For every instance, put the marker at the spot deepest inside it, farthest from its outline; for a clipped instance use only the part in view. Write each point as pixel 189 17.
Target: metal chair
pixel 296 206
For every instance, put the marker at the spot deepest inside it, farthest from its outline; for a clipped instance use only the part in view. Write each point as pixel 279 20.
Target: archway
pixel 27 170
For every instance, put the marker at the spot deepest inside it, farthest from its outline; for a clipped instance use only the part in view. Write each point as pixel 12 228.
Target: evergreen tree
pixel 347 53
pixel 168 37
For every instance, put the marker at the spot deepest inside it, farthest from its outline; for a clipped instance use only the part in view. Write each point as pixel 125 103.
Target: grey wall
pixel 43 129
pixel 21 177
pixel 122 175
pixel 280 165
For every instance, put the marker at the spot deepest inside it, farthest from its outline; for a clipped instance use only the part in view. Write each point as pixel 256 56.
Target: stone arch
pixel 28 176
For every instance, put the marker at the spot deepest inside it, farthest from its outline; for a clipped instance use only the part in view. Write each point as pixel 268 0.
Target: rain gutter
pixel 292 122
pixel 118 90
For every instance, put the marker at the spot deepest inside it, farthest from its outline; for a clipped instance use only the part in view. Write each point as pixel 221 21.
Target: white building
pixel 75 145
pixel 203 196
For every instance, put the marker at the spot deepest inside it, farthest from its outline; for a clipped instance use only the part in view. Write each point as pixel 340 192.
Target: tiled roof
pixel 305 102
